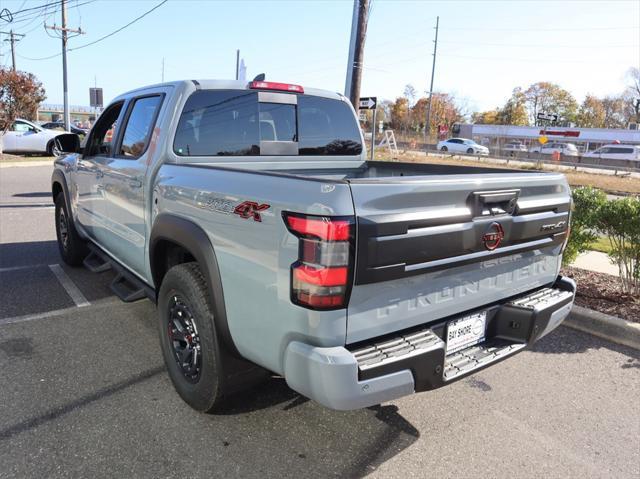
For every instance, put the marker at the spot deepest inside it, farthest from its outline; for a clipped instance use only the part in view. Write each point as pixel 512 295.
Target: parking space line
pixel 55 312
pixel 69 286
pixel 24 266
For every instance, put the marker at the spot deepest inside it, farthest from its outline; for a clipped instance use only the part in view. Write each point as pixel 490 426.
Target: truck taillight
pixel 321 277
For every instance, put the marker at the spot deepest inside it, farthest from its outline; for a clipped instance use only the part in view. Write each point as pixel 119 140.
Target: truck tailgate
pixel 431 247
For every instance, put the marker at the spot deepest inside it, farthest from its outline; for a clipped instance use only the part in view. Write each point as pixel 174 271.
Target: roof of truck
pixel 229 85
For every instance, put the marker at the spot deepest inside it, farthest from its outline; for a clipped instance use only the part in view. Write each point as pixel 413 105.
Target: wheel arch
pixel 59 185
pixel 173 236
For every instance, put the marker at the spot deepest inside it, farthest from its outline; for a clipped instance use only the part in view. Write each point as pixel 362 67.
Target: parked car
pixel 249 214
pixel 565 149
pixel 514 147
pixel 59 125
pixel 26 137
pixel 462 145
pixel 615 152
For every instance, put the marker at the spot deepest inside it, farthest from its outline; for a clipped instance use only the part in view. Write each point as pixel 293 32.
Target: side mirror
pixel 67 143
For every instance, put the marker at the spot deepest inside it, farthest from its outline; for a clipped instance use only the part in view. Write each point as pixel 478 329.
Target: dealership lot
pixel 83 392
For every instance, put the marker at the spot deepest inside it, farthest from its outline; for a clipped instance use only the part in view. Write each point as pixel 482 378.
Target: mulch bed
pixel 602 292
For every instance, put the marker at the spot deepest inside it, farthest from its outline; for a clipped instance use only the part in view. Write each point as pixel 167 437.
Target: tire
pixel 50 148
pixel 73 249
pixel 444 148
pixel 188 339
pixel 470 151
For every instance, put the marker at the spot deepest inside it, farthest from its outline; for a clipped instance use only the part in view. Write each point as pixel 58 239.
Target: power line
pixel 101 38
pixel 121 28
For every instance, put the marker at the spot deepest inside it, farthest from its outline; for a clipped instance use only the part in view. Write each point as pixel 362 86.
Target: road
pixel 83 393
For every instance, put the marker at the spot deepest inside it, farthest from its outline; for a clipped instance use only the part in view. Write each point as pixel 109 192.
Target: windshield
pixel 235 123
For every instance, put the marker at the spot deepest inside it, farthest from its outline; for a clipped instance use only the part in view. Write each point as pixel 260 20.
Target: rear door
pixel 432 247
pixel 124 185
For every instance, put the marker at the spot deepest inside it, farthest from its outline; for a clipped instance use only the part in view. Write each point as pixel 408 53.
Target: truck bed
pixel 386 170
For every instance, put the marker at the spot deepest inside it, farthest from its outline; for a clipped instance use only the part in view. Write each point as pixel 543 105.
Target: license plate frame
pixel 466 331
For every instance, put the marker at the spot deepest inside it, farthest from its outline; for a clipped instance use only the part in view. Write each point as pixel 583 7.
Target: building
pixel 586 139
pixel 79 114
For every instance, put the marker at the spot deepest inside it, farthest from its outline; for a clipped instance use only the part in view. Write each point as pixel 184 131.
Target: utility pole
pixel 237 64
pixel 65 32
pixel 356 51
pixel 427 125
pixel 12 39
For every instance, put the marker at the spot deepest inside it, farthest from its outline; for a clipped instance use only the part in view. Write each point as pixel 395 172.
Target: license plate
pixel 465 332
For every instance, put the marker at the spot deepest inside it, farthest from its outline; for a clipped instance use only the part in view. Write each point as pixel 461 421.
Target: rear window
pixel 234 123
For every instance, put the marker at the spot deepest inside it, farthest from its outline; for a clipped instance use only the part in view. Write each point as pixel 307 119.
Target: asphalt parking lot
pixel 83 393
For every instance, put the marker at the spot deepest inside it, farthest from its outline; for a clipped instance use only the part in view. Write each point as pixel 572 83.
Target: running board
pixel 95 261
pixel 127 288
pixel 125 285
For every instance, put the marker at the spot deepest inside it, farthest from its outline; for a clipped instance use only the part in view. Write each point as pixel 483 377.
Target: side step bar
pixel 125 285
pixel 95 262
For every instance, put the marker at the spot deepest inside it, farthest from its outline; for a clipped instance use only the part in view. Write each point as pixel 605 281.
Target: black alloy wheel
pixel 184 339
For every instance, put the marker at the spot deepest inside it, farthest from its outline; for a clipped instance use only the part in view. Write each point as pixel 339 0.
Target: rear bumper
pixel 414 361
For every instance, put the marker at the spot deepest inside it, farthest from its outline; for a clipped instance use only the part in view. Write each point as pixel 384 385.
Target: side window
pixel 604 150
pixel 103 132
pixel 21 127
pixel 137 130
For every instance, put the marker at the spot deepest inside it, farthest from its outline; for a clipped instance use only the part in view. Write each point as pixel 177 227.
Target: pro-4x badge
pixel 250 209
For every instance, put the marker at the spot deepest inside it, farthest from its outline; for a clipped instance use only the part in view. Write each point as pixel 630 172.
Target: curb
pixel 604 326
pixel 25 163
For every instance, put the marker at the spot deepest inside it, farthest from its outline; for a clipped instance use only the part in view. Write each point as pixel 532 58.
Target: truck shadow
pixel 565 340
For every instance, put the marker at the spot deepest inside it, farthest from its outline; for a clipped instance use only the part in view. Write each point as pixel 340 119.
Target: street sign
pixel 543 139
pixel 95 97
pixel 368 102
pixel 547 116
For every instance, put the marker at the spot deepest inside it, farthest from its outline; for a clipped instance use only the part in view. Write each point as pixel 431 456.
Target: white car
pixel 565 149
pixel 27 137
pixel 462 145
pixel 514 147
pixel 615 152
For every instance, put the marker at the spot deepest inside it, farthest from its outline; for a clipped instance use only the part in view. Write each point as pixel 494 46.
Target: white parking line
pixel 24 266
pixel 56 312
pixel 69 286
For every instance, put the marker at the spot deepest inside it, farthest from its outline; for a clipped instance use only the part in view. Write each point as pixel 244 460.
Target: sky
pixel 485 48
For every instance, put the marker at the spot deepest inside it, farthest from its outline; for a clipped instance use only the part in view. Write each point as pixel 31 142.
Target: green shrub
pixel 584 220
pixel 620 221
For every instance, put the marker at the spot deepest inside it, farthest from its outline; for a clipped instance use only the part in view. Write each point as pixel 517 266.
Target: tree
pixel 632 96
pixel 547 97
pixel 486 117
pixel 20 95
pixel 400 114
pixel 410 93
pixel 614 112
pixel 591 113
pixel 514 111
pixel 444 110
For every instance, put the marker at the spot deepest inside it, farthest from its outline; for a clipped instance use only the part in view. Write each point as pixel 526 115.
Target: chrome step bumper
pixel 511 327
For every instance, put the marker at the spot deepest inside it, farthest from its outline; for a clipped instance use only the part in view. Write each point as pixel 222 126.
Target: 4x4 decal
pixel 250 209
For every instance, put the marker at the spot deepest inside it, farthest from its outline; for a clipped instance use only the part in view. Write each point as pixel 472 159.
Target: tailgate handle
pixel 492 203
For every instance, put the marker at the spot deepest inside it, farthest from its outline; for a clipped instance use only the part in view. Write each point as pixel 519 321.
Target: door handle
pixel 135 183
pixel 99 174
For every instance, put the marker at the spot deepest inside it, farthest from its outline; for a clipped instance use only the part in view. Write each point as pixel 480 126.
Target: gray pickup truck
pixel 249 214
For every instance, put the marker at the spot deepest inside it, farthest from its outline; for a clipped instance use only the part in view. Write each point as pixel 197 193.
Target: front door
pixel 89 197
pixel 124 182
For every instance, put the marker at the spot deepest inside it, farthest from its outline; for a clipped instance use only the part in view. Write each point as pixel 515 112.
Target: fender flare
pixel 58 177
pixel 192 237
